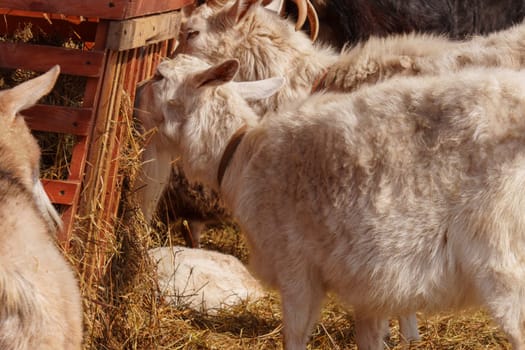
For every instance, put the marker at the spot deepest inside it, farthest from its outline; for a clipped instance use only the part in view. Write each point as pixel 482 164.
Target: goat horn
pixel 282 9
pixel 313 19
pixel 188 9
pixel 216 3
pixel 301 13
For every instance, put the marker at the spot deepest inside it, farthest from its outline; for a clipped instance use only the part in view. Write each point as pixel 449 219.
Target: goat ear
pixel 27 94
pixel 259 89
pixel 217 75
pixel 187 10
pixel 217 4
pixel 277 6
pixel 241 8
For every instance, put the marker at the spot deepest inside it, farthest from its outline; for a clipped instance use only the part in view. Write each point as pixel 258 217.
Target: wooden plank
pixel 66 120
pixel 41 58
pixel 49 17
pixel 53 25
pixel 92 202
pixel 105 9
pixel 143 7
pixel 81 148
pixel 132 33
pixel 61 191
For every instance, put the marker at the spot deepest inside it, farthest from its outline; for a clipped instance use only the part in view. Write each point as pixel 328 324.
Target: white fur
pixel 405 196
pixel 268 45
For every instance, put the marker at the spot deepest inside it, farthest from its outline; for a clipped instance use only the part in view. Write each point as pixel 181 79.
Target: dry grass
pixel 126 313
pixel 122 307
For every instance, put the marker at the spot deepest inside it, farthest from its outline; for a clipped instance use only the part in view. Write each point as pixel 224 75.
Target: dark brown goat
pixel 352 21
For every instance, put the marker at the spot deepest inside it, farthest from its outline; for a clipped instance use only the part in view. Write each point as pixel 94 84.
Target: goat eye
pixel 192 34
pixel 157 76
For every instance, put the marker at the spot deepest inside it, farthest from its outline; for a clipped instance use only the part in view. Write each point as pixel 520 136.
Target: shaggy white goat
pixel 407 195
pixel 268 45
pixel 379 59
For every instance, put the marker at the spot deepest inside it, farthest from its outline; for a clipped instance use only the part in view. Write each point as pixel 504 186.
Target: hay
pixel 123 308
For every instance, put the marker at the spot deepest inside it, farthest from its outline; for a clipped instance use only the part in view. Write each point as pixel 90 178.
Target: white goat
pixel 379 59
pixel 40 306
pixel 268 45
pixel 406 195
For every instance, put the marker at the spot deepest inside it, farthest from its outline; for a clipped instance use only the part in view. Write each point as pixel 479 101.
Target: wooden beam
pixel 104 9
pixel 41 58
pixel 60 26
pixel 132 33
pixel 61 191
pixel 66 120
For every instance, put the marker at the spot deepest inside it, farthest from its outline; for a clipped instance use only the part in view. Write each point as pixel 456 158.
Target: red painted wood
pixel 41 58
pixel 102 95
pixel 66 120
pixel 105 9
pixel 61 191
pixel 77 28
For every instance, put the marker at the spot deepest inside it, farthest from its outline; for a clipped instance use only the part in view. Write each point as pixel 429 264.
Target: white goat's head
pixel 196 107
pixel 260 39
pixel 305 10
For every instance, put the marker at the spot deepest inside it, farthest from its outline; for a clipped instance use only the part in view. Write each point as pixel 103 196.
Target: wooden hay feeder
pixel 121 42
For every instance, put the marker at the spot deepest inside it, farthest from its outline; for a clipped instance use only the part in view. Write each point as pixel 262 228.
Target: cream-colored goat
pixel 268 45
pixel 406 195
pixel 379 59
pixel 40 306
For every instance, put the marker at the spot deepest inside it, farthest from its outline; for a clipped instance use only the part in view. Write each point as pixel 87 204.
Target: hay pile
pixel 123 309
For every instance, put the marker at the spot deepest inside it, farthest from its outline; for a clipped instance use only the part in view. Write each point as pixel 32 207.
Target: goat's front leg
pixel 302 294
pixel 370 331
pixel 408 328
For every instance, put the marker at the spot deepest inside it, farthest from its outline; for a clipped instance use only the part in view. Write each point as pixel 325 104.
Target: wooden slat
pixel 49 17
pixel 132 33
pixel 79 155
pixel 66 120
pixel 144 7
pixel 41 58
pixel 61 191
pixel 106 9
pixel 53 25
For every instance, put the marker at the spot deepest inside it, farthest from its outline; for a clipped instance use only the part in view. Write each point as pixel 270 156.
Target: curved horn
pixel 282 8
pixel 187 10
pixel 313 19
pixel 301 13
pixel 216 3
